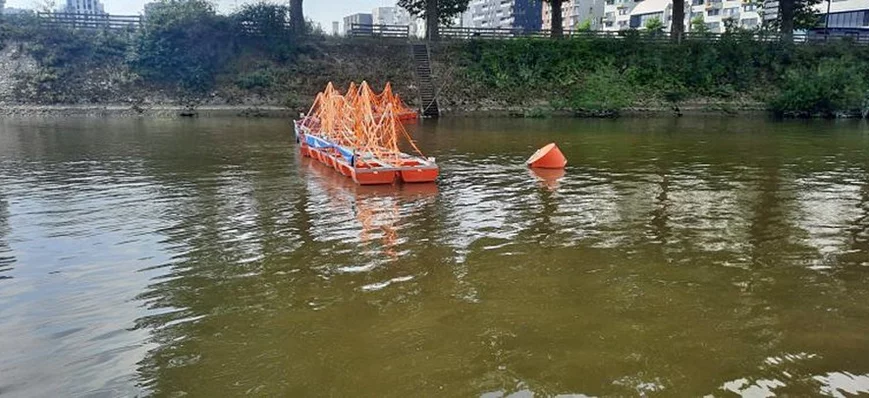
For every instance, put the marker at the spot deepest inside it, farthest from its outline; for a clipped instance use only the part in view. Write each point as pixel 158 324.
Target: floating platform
pixel 360 135
pixel 365 168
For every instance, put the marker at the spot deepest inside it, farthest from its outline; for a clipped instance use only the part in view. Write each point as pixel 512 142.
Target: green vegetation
pixel 601 76
pixel 834 86
pixel 698 25
pixel 654 25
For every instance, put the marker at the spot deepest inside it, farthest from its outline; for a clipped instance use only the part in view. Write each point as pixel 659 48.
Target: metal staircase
pixel 427 92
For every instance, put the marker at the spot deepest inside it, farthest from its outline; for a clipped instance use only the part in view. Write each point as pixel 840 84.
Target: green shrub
pixel 183 42
pixel 603 92
pixel 258 80
pixel 832 87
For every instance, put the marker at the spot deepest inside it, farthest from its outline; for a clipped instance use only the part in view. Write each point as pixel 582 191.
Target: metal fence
pixel 461 33
pixel 383 31
pixel 89 21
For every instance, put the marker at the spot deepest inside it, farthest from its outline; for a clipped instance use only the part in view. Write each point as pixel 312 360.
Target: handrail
pixel 384 31
pixel 89 21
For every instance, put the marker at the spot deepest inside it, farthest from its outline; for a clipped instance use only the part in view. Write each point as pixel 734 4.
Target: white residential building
pixel 716 13
pixel 2 6
pixel 617 14
pixel 627 14
pixel 845 14
pixel 647 10
pixel 93 7
pixel 575 13
pixel 358 18
pixel 390 16
pixel 398 16
pixel 505 14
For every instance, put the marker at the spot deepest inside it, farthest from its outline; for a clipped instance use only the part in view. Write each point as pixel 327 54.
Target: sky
pixel 322 11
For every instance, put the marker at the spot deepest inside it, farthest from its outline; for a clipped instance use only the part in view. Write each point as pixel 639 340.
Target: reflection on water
pixel 671 258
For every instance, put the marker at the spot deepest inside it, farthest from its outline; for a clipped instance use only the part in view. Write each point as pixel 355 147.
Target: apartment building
pixel 390 16
pixel 92 7
pixel 359 18
pixel 576 13
pixel 715 14
pixel 845 14
pixel 628 14
pixel 617 14
pixel 508 14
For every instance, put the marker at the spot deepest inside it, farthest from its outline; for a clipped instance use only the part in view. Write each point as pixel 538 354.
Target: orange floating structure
pixel 387 97
pixel 548 157
pixel 359 134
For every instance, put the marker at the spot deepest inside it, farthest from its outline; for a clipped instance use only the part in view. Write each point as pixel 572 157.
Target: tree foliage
pixel 184 42
pixel 835 85
pixel 435 12
pixel 698 25
pixel 796 15
pixel 654 25
pixel 447 10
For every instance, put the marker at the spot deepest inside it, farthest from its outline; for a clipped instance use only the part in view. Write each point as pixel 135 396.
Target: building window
pixel 697 2
pixel 713 26
pixel 855 19
pixel 713 12
pixel 623 11
pixel 733 11
pixel 749 23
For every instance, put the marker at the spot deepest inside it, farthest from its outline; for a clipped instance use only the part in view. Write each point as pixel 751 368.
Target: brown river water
pixel 203 258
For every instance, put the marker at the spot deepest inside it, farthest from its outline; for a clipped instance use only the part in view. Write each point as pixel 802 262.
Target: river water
pixel 683 257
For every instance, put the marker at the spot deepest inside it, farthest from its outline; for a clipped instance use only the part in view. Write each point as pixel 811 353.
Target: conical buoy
pixel 548 157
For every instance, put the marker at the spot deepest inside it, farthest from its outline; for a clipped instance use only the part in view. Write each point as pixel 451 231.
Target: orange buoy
pixel 548 157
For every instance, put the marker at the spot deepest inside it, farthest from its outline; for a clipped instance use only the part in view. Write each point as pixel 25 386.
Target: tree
pixel 793 15
pixel 435 13
pixel 698 25
pixel 183 42
pixel 678 25
pixel 297 17
pixel 557 18
pixel 786 18
pixel 654 25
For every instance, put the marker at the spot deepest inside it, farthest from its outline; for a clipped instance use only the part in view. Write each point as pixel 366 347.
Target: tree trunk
pixel 677 26
pixel 557 19
pixel 786 16
pixel 297 17
pixel 431 20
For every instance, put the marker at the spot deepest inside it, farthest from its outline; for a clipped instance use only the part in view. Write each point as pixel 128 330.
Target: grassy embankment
pixel 188 55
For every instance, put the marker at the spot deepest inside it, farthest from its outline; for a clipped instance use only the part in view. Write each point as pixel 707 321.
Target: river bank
pixel 162 111
pixel 174 111
pixel 59 72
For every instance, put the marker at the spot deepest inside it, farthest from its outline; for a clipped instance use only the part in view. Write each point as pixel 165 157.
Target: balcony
pixel 714 5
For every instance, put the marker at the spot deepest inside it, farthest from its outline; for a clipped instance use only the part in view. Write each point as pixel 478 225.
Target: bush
pixel 830 88
pixel 183 42
pixel 604 92
pixel 258 80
